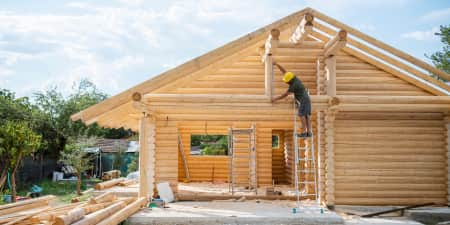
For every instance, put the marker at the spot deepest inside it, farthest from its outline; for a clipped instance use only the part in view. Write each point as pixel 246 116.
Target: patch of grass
pixel 64 190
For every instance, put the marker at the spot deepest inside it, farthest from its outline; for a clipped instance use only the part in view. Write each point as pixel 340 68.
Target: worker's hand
pixel 273 99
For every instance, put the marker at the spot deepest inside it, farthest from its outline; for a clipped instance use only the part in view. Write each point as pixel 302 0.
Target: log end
pixel 136 96
pixel 275 33
pixel 309 17
pixel 342 34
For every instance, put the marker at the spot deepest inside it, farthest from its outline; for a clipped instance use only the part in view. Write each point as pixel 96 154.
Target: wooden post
pixel 447 129
pixel 330 116
pixel 268 78
pixel 270 49
pixel 146 156
pixel 330 69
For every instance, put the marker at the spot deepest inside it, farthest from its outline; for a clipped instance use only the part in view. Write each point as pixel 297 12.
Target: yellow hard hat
pixel 288 76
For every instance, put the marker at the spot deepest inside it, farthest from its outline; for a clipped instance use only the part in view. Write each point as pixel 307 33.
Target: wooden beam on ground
pixel 108 184
pixel 335 44
pixel 382 45
pixel 44 199
pixel 304 28
pixel 125 212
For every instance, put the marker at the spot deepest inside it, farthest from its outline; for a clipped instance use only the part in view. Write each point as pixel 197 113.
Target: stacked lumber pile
pixel 111 183
pixel 109 175
pixel 105 209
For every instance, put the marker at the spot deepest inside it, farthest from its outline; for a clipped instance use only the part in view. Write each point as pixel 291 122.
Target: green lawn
pixel 64 190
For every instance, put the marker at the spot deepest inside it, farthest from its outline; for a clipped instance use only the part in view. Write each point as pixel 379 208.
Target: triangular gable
pixel 242 48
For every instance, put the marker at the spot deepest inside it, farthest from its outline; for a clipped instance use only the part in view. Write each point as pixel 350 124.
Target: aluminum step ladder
pixel 305 169
pixel 242 155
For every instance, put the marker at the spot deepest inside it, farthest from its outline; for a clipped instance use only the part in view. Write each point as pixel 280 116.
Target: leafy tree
pixel 134 164
pixel 441 59
pixel 74 155
pixel 17 140
pixel 55 122
pixel 118 155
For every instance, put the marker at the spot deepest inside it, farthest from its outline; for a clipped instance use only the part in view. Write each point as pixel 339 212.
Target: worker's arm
pixel 280 67
pixel 274 99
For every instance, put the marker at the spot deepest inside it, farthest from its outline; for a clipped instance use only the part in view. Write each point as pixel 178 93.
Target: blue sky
pixel 119 43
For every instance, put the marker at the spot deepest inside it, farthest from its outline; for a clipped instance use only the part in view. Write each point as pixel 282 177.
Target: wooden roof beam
pixel 335 44
pixel 385 67
pixel 304 28
pixel 405 56
pixel 385 58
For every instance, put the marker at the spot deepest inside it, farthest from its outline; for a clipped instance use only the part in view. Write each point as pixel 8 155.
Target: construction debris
pixel 104 209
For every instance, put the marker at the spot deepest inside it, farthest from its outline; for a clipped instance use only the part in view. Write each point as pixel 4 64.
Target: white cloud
pixel 437 15
pixel 422 35
pixel 132 2
pixel 344 6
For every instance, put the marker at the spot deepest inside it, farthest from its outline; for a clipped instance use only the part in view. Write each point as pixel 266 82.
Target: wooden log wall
pixel 166 153
pixel 390 158
pixel 278 159
pixel 356 77
pixel 246 75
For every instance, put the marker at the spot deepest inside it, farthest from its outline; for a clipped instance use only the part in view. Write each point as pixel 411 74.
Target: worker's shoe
pixel 302 135
pixel 309 134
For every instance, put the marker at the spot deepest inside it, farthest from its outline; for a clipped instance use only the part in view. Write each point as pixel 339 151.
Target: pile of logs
pixel 109 175
pixel 114 182
pixel 105 209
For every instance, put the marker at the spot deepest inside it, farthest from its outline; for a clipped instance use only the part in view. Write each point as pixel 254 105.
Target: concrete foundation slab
pixel 225 212
pixel 430 215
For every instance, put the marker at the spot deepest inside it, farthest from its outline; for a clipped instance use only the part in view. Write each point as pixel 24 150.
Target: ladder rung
pixel 306 171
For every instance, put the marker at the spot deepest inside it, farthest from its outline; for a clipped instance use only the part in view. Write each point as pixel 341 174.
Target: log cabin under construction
pixel 380 121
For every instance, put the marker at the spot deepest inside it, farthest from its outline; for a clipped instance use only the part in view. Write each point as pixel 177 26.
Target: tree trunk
pixel 13 184
pixel 3 176
pixel 13 177
pixel 41 165
pixel 79 183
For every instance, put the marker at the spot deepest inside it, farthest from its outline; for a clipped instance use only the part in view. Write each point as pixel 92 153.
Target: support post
pixel 330 116
pixel 447 132
pixel 268 76
pixel 330 69
pixel 270 49
pixel 146 156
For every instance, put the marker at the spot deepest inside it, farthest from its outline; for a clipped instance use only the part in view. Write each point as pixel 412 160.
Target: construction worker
pixel 301 96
